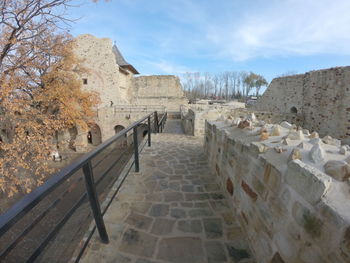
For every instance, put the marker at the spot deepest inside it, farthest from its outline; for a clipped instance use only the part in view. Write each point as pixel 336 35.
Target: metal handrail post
pixel 136 150
pixel 95 205
pixel 156 122
pixel 149 131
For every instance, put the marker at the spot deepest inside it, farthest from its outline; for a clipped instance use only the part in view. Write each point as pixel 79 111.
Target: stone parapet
pixel 289 189
pixel 194 116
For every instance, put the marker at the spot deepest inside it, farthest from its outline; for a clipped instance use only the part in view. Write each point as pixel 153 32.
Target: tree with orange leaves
pixel 40 89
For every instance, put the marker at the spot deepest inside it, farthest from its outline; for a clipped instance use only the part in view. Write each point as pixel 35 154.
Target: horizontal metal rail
pixel 28 202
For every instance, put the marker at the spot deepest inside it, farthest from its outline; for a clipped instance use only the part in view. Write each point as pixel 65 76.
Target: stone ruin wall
pixel 118 90
pixel 290 189
pixel 103 74
pixel 321 97
pixel 165 90
pixel 194 117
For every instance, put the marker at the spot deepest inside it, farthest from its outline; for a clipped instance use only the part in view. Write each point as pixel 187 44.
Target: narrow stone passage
pixel 172 211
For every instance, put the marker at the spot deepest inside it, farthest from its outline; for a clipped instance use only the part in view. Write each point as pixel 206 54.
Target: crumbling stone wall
pixel 321 97
pixel 289 188
pixel 103 74
pixel 165 90
pixel 193 117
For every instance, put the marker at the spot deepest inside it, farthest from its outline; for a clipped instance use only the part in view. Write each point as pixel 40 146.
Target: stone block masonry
pixel 193 117
pixel 172 211
pixel 321 97
pixel 288 188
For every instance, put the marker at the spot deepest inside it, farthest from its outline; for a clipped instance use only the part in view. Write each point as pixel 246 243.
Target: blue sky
pixel 269 37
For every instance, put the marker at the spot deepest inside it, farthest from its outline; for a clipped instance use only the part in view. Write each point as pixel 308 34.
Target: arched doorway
pixel 122 142
pixel 73 133
pixel 94 135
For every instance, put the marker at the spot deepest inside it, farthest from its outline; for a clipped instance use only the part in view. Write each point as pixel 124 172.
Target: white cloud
pixel 285 27
pixel 166 67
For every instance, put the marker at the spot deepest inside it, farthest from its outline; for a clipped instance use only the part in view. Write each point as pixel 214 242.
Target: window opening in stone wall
pixel 294 110
pixel 94 136
pixel 85 82
pixel 123 141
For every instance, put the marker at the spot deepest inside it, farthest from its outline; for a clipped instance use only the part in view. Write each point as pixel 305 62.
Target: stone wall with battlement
pixel 289 188
pixel 321 97
pixel 165 90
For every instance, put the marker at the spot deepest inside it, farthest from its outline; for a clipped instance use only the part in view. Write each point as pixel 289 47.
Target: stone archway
pixel 122 142
pixel 94 135
pixel 73 133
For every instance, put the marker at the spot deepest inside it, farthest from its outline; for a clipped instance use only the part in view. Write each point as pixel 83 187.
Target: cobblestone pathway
pixel 172 211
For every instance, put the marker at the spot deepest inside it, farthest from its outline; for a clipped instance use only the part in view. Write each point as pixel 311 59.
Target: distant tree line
pixel 225 85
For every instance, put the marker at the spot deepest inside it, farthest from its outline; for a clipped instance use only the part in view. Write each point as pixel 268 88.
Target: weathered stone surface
pixel 343 150
pixel 171 238
pixel 314 135
pixel 307 181
pixel 181 250
pixel 237 253
pixel 162 226
pixel 219 205
pixel 201 205
pixel 211 187
pixel 277 259
pixel 244 124
pixel 200 212
pixel 213 227
pixel 215 251
pixel 317 153
pixel 339 170
pixel 295 155
pixel 140 207
pixel 306 132
pixel 234 233
pixel 190 226
pixel 276 131
pixel 280 149
pixel 173 196
pixel 286 125
pixel 138 243
pixel 249 191
pixel 264 136
pixel 139 221
pixel 141 260
pixel 302 145
pixel 196 196
pixel 228 217
pixel 295 135
pixel 286 141
pixel 177 213
pixel 159 210
pixel 229 186
pixel 217 196
pixel 187 188
pixel 331 141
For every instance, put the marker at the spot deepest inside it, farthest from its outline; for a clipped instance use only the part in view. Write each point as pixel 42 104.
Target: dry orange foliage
pixel 40 90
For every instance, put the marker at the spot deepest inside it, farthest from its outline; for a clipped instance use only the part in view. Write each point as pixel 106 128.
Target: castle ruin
pixel 321 98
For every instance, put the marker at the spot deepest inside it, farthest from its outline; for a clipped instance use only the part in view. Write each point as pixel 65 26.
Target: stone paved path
pixel 173 211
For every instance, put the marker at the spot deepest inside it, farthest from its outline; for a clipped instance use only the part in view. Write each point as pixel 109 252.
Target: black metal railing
pixel 21 219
